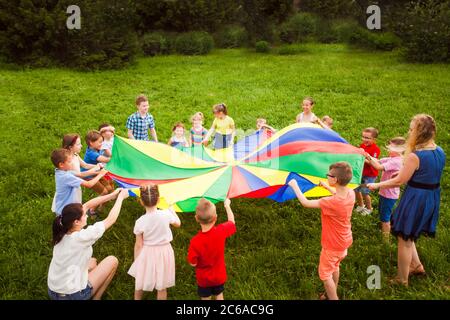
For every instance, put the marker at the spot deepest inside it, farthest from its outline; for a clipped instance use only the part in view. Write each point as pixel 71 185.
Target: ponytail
pixel 149 195
pixel 64 222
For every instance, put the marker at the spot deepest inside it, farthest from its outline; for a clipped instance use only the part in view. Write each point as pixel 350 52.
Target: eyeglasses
pixel 331 176
pixel 367 138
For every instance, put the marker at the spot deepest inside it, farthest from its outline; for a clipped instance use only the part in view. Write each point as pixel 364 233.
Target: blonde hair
pixel 373 132
pixel 149 195
pixel 197 115
pixel 423 130
pixel 261 119
pixel 310 99
pixel 205 211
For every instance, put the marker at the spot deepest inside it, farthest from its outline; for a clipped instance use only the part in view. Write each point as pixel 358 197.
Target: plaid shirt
pixel 140 125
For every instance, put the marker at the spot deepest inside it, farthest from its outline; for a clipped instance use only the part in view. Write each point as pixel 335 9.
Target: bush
pixel 424 28
pixel 325 32
pixel 157 43
pixel 106 38
pixel 344 29
pixel 364 38
pixel 231 37
pixel 194 43
pixel 262 46
pixel 298 27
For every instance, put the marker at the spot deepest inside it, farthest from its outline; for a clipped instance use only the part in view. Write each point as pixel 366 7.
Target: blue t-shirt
pixel 67 189
pixel 92 155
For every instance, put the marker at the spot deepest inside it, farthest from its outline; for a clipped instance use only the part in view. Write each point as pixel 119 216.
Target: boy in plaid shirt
pixel 141 121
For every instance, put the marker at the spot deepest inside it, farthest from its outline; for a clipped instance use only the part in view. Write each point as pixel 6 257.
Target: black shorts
pixel 210 291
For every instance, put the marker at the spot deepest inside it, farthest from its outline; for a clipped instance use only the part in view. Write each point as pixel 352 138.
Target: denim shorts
pixel 205 292
pixel 364 181
pixel 85 294
pixel 385 207
pixel 222 141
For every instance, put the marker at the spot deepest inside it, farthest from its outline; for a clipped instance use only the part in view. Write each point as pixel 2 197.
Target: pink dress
pixel 154 268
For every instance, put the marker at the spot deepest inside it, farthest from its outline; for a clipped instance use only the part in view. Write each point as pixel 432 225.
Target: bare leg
pixel 138 294
pixel 404 259
pixel 92 264
pixel 367 201
pixel 161 294
pixel 416 265
pixel 359 199
pixel 220 296
pixel 336 278
pixel 386 227
pixel 330 288
pixel 101 276
pixel 205 298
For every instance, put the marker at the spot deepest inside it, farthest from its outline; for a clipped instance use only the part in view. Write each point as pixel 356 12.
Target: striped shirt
pixel 140 125
pixel 198 136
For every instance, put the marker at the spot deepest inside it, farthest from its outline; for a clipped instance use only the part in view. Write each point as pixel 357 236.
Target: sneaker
pixel 359 209
pixel 366 211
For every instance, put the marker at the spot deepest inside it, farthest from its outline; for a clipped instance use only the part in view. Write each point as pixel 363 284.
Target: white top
pixel 107 144
pixel 76 164
pixel 306 118
pixel 155 227
pixel 68 272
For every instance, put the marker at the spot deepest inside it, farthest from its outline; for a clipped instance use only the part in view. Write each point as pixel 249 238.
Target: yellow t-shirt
pixel 224 126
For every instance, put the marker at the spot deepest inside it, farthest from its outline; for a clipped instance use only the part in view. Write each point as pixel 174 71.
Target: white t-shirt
pixel 306 118
pixel 108 144
pixel 155 227
pixel 68 272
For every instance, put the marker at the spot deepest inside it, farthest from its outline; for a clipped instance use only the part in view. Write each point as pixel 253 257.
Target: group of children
pixel 223 126
pixel 154 261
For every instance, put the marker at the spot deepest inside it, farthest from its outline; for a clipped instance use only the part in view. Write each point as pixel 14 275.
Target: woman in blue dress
pixel 418 210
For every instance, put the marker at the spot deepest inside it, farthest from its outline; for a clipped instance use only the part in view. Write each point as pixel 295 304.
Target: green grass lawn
pixel 275 252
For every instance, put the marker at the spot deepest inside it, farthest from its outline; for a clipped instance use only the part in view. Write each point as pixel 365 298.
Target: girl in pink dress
pixel 154 259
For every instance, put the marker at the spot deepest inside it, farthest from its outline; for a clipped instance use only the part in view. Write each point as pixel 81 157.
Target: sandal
pixel 397 281
pixel 419 271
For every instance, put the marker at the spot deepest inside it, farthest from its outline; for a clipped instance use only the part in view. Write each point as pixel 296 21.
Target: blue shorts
pixel 205 292
pixel 85 294
pixel 364 181
pixel 385 207
pixel 222 141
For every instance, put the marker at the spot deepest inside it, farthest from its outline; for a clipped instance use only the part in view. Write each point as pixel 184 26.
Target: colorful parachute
pixel 255 167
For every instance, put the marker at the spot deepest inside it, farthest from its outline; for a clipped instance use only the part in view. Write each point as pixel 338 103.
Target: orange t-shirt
pixel 336 221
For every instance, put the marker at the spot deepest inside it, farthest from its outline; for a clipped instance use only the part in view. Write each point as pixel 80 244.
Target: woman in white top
pixel 154 259
pixel 73 273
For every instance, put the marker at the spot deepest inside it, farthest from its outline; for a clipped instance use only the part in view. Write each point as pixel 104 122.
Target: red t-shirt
pixel 374 151
pixel 207 250
pixel 336 221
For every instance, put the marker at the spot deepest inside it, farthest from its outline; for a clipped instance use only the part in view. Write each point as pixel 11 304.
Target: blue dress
pixel 418 210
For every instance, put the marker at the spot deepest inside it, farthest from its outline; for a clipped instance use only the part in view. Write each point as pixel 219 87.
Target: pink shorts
pixel 329 262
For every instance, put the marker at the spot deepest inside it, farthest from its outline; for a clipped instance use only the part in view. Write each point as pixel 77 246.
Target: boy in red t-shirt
pixel 336 224
pixel 207 249
pixel 370 174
